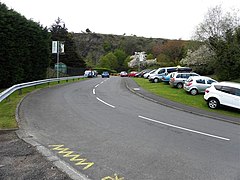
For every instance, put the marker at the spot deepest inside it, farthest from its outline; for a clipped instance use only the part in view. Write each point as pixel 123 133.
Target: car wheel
pixel 213 103
pixel 156 80
pixel 179 85
pixel 193 92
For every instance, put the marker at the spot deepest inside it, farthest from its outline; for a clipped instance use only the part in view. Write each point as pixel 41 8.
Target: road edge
pixel 25 136
pixel 131 89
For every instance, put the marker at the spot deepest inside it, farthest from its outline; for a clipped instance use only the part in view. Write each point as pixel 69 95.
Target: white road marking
pixel 94 92
pixel 136 89
pixel 105 102
pixel 185 129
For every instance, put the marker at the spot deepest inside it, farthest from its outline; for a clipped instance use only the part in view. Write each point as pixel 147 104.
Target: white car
pixel 223 93
pixel 146 75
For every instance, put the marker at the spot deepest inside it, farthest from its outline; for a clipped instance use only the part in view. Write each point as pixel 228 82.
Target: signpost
pixel 57 48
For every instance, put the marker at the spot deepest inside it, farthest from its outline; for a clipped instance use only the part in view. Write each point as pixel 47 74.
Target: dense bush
pixel 24 48
pixel 227 62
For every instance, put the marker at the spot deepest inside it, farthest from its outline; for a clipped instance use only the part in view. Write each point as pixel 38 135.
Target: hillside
pixel 91 46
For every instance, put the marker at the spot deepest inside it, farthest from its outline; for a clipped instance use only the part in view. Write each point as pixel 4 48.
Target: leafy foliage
pixel 227 55
pixel 108 61
pixel 170 53
pixel 201 60
pixel 24 48
pixel 70 57
pixel 121 56
pixel 220 32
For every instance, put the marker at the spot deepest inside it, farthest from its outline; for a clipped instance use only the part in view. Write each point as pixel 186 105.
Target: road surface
pixel 105 132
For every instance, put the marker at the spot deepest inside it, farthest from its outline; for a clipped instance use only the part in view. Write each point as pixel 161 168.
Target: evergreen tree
pixel 227 60
pixel 70 57
pixel 24 48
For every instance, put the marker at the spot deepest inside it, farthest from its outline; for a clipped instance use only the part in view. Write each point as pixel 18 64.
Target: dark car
pixel 105 74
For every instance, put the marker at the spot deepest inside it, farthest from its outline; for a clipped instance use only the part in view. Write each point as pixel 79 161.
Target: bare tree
pixel 216 23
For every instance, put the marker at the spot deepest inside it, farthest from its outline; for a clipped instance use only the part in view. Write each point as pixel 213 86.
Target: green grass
pixel 181 96
pixel 8 106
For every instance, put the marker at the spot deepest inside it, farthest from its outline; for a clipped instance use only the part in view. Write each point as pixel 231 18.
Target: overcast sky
pixel 172 19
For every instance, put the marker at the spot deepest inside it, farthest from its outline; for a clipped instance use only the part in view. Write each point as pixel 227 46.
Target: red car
pixel 132 74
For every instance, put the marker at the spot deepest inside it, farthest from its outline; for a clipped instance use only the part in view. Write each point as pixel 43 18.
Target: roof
pixel 228 83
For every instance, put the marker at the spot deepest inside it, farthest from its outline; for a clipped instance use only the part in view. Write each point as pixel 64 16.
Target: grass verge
pixel 8 106
pixel 181 96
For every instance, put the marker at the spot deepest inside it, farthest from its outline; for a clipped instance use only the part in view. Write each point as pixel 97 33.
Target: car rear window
pixel 201 81
pixel 237 92
pixel 161 71
pixel 229 90
pixel 210 81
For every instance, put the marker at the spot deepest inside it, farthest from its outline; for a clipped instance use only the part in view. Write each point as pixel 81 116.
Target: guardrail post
pixel 20 92
pixel 8 98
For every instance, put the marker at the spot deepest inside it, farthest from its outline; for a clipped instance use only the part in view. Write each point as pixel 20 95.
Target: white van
pixel 88 73
pixel 160 72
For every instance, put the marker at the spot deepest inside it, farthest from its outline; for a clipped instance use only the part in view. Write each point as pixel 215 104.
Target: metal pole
pixel 57 59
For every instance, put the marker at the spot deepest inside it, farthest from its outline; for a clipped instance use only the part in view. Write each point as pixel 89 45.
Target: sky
pixel 170 19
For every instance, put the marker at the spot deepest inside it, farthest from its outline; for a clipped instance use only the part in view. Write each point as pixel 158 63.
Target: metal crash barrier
pixel 9 91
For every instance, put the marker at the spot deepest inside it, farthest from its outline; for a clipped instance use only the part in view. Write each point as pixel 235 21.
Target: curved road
pixel 105 132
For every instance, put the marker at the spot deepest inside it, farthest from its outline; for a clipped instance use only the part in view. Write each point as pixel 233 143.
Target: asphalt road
pixel 100 130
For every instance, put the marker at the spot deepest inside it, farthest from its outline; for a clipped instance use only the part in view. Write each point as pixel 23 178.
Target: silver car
pixel 198 84
pixel 178 79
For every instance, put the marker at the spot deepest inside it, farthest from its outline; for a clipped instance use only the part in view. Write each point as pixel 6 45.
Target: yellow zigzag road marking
pixel 70 154
pixel 113 178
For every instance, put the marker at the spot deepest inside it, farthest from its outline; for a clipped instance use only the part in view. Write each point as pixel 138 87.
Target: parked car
pixel 105 74
pixel 178 79
pixel 89 73
pixel 123 74
pixel 141 73
pixel 132 74
pixel 198 84
pixel 159 73
pixel 223 93
pixel 146 75
pixel 166 78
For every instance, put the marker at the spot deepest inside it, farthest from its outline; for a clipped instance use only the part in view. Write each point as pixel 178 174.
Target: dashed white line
pixel 94 92
pixel 105 102
pixel 185 129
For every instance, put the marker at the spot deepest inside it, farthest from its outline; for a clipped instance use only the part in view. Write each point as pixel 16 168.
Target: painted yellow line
pixel 115 177
pixel 73 157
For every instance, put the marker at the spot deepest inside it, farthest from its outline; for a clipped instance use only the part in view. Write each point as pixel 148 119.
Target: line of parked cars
pixel 215 93
pixel 94 73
